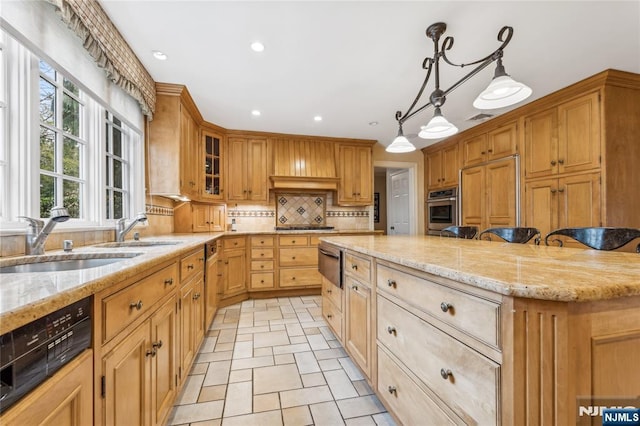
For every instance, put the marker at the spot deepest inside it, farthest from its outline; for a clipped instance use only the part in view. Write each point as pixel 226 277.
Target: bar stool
pixel 512 235
pixel 466 232
pixel 597 238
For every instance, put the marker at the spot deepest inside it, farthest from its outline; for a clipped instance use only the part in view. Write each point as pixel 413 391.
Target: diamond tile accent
pixel 301 209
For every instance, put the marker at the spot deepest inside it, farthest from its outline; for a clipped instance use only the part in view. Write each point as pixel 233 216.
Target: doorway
pixel 395 192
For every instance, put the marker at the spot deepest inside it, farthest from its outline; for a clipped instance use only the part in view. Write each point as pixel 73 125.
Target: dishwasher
pixel 330 263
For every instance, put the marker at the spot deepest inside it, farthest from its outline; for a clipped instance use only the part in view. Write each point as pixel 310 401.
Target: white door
pixel 399 207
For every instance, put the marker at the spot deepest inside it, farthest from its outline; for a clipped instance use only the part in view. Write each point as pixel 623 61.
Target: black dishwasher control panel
pixel 35 351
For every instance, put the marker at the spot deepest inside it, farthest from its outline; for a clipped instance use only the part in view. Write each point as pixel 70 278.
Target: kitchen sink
pixel 62 262
pixel 134 243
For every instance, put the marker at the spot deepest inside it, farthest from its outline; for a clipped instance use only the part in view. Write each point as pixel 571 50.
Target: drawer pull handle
pixel 293 258
pixel 392 390
pixel 261 281
pixel 354 267
pixel 235 243
pixel 561 161
pixel 553 162
pixel 329 316
pixel 445 306
pixel 190 266
pixel 261 266
pixel 150 352
pixel 445 373
pixel 261 242
pixel 157 345
pixel 392 330
pixel 293 278
pixel 168 281
pixel 196 296
pixel 329 291
pixel 354 287
pixel 261 254
pixel 136 305
pixel 392 283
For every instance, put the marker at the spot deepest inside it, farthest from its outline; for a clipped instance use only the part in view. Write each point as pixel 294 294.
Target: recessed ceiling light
pixel 255 113
pixel 317 118
pixel 159 55
pixel 256 46
pixel 373 123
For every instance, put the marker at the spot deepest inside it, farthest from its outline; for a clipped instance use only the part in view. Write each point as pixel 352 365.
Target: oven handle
pixel 435 200
pixel 326 253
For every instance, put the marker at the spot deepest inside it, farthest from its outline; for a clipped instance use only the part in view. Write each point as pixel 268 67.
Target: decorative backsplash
pixel 301 209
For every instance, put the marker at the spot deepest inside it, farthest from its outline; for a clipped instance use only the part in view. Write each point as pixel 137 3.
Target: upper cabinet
pixel 355 170
pixel 247 160
pixel 301 163
pixel 492 145
pixel 442 166
pixel 174 144
pixel 565 138
pixel 212 177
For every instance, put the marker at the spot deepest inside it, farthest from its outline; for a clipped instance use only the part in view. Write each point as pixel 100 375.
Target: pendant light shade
pixel 503 91
pixel 400 144
pixel 438 127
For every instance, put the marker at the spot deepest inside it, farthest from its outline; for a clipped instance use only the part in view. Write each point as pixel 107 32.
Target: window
pixel 3 133
pixel 117 169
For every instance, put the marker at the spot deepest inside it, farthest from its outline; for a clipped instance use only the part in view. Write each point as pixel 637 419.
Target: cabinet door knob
pixel 445 306
pixel 261 281
pixel 190 266
pixel 136 305
pixel 445 373
pixel 157 345
pixel 293 258
pixel 560 189
pixel 261 254
pixel 293 278
pixel 482 152
pixel 561 161
pixel 261 266
pixel 490 151
pixel 392 283
pixel 354 287
pixel 329 291
pixel 392 390
pixel 553 162
pixel 553 191
pixel 391 330
pixel 293 241
pixel 329 316
pixel 150 352
pixel 168 281
pixel 354 266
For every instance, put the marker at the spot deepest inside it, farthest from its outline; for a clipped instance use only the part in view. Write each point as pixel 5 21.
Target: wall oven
pixel 442 210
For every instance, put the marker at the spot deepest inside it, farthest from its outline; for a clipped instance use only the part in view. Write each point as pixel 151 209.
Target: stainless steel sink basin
pixel 149 243
pixel 62 262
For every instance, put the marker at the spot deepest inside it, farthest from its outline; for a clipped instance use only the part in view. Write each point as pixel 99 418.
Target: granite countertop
pixel 521 270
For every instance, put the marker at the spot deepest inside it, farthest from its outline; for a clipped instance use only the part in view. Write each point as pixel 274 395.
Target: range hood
pixel 304 164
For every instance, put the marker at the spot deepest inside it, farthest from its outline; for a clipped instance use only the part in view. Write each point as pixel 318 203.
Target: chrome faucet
pixel 122 229
pixel 38 231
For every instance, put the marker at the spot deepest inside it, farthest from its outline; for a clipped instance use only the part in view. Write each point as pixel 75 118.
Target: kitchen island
pixel 467 331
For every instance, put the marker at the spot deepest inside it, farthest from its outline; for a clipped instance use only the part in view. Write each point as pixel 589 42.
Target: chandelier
pixel 501 92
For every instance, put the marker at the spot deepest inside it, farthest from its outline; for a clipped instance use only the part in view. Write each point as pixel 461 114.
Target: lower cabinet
pixel 234 267
pixel 65 399
pixel 332 307
pixel 298 261
pixel 358 339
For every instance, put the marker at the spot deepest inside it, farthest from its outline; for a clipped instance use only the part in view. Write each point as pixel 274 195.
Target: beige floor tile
pixel 216 422
pixel 267 418
pixel 289 349
pixel 243 350
pixel 277 327
pixel 329 364
pixel 196 412
pixel 262 351
pixel 360 406
pixel 306 362
pixel 340 385
pixel 315 311
pixel 304 316
pixel 212 393
pixel 360 421
pixel 224 347
pixel 244 363
pixel 267 315
pixel 362 387
pixel 272 338
pixel 311 330
pixel 330 353
pixel 305 396
pixel 292 320
pixel 251 330
pixel 298 339
pixel 326 414
pixel 213 333
pixel 313 379
pixel 294 330
pixel 384 419
pixel 266 402
pixel 217 373
pixel 276 378
pixel 219 326
pixel 208 344
pixel 297 416
pixel 317 342
pixel 334 344
pixel 191 390
pixel 284 359
pixel 316 324
pixel 240 376
pixel 327 333
pixel 290 317
pixel 227 335
pixel 287 309
pixel 214 356
pixel 200 368
pixel 244 338
pixel 239 399
pixel 350 368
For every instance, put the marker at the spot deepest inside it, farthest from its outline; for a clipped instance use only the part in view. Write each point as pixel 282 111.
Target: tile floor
pixel 275 362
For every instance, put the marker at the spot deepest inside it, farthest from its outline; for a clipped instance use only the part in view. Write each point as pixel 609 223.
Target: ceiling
pixel 357 62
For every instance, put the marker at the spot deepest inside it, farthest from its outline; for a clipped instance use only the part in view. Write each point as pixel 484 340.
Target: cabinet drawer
pixel 465 380
pixel 333 316
pixel 262 265
pixel 302 256
pixel 261 241
pixel 296 277
pixel 191 264
pixel 233 243
pixel 332 292
pixel 314 240
pixel 123 307
pixel 262 280
pixel 466 312
pixel 358 267
pixel 404 397
pixel 293 240
pixel 262 253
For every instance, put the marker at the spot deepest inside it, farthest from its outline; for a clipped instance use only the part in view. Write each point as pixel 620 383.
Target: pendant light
pixel 503 91
pixel 438 127
pixel 400 144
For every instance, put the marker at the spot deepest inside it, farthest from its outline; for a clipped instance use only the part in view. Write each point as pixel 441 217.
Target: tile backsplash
pixel 301 209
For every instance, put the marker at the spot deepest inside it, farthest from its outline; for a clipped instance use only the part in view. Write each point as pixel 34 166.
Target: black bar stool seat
pixel 466 232
pixel 517 235
pixel 598 238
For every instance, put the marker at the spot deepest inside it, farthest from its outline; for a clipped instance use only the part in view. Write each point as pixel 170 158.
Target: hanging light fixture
pixel 501 92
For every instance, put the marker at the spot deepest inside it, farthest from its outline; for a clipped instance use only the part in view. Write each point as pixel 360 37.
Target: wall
pixel 380 187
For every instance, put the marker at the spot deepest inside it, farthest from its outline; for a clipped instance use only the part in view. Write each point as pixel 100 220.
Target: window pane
pixel 47 70
pixel 47 149
pixel 71 158
pixel 70 115
pixel 47 195
pixel 117 142
pixel 117 173
pixel 108 204
pixel 47 102
pixel 71 199
pixel 71 87
pixel 118 207
pixel 108 171
pixel 117 122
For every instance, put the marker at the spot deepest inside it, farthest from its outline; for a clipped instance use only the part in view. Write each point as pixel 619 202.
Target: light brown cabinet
pixel 355 170
pixel 191 309
pixel 495 144
pixel 247 160
pixel 174 142
pixel 262 264
pixel 233 267
pixel 442 166
pixel 212 177
pixel 65 399
pixel 197 217
pixel 488 196
pixel 212 286
pixel 298 262
pixel 332 307
pixel 564 139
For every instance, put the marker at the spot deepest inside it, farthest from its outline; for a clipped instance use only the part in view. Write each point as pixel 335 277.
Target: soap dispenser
pixel 233 225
